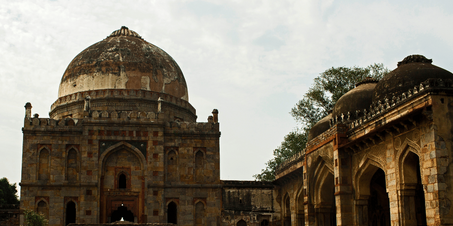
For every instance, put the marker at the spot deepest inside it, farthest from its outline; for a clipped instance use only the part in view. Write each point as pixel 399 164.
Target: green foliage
pixel 328 87
pixel 32 218
pixel 290 145
pixel 8 192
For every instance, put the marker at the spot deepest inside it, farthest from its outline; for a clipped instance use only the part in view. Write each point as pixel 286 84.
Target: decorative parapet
pixel 192 127
pixel 121 93
pixel 48 122
pixel 380 107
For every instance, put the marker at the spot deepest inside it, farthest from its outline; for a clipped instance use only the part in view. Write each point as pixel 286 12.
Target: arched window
pixel 172 166
pixel 122 181
pixel 199 166
pixel 199 214
pixel 43 173
pixel 72 165
pixel 172 213
pixel 241 223
pixel 70 212
pixel 43 209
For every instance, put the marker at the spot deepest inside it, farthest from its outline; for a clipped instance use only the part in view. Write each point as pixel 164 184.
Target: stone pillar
pixel 390 182
pixel 361 216
pixel 344 200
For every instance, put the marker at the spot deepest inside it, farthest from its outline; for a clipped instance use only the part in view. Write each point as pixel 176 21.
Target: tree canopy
pixel 8 192
pixel 328 87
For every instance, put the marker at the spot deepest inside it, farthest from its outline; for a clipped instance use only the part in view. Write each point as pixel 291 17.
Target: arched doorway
pixel 122 184
pixel 122 213
pixel 70 212
pixel 412 194
pixel 172 213
pixel 325 206
pixel 241 223
pixel 378 202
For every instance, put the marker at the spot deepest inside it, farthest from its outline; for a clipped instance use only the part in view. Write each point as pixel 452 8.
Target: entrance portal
pixel 122 212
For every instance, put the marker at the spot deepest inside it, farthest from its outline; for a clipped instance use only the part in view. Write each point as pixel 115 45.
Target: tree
pixel 32 218
pixel 8 192
pixel 328 87
pixel 292 143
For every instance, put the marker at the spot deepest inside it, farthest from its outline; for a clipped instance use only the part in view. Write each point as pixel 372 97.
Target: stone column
pixel 344 199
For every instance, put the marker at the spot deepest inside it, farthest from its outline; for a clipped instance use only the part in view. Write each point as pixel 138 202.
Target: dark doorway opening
pixel 378 203
pixel 122 181
pixel 241 223
pixel 70 212
pixel 172 213
pixel 122 212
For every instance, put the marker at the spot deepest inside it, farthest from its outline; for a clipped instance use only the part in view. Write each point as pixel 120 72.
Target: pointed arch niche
pixel 72 165
pixel 199 215
pixel 43 164
pixel 199 164
pixel 171 173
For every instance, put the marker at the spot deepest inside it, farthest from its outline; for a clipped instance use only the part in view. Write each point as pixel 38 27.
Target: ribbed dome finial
pixel 124 31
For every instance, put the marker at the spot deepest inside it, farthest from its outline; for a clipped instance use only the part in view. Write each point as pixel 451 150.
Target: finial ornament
pixel 124 31
pixel 415 59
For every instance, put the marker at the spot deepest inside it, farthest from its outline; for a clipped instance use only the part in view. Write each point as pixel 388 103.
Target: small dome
pixel 410 72
pixel 124 60
pixel 358 98
pixel 320 127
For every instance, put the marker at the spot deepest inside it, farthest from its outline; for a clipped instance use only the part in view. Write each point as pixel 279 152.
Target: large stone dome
pixel 412 71
pixel 124 60
pixel 123 75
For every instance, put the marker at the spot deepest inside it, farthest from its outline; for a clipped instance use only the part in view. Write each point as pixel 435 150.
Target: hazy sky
pixel 252 60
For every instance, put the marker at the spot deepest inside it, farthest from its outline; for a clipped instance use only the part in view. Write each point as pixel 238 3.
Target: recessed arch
pixel 371 194
pixel 42 207
pixel 43 163
pixel 199 213
pixel 172 159
pixel 72 164
pixel 122 146
pixel 199 160
pixel 363 177
pixel 411 190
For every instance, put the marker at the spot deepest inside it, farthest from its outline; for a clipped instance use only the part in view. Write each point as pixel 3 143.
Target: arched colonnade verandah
pixel 314 203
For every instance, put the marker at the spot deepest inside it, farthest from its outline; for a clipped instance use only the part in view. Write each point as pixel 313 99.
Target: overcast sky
pixel 252 60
